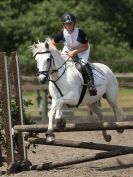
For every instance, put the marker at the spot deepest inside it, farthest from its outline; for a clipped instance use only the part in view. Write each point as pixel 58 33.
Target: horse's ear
pixel 47 45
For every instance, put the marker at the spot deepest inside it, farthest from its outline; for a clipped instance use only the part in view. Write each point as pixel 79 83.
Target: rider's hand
pixel 72 53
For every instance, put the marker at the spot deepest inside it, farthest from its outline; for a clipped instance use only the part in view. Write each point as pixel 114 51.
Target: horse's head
pixel 43 57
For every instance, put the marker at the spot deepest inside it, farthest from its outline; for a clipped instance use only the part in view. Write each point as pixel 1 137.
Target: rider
pixel 75 44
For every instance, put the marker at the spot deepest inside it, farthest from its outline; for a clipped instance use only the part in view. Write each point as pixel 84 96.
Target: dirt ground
pixel 121 166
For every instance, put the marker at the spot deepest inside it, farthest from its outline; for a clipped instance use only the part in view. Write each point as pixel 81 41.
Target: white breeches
pixel 83 56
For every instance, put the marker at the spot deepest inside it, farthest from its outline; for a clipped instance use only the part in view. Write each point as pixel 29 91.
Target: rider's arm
pixel 82 38
pixel 78 50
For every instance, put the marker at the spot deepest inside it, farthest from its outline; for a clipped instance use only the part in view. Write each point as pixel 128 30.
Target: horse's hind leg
pixel 118 112
pixel 96 109
pixel 111 97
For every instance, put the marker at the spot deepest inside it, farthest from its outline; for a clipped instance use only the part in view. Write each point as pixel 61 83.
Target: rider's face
pixel 69 27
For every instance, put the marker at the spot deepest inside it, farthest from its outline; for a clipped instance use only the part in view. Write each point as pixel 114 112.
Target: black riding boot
pixel 90 79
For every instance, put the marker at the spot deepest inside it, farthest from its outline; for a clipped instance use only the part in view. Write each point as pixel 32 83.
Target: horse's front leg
pixel 51 114
pixel 60 123
pixel 70 99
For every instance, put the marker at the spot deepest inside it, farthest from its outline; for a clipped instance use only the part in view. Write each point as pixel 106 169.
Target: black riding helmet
pixel 68 18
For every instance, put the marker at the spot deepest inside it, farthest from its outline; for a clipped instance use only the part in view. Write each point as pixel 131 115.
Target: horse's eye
pixel 48 59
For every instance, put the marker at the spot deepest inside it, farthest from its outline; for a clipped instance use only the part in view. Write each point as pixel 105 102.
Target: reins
pixel 57 71
pixel 49 72
pixel 54 81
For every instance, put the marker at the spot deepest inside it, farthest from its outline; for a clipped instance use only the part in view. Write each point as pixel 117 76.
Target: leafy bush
pixel 14 115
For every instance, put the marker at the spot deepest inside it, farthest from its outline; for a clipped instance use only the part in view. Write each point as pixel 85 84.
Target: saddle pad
pixel 97 74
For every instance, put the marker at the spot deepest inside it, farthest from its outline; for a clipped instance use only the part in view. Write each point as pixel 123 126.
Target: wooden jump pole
pixel 97 156
pixel 6 106
pixel 9 71
pixel 76 127
pixel 75 144
pixel 19 102
pixel 1 161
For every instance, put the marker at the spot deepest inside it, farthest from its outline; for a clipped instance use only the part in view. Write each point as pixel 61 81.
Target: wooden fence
pixel 32 84
pixel 125 79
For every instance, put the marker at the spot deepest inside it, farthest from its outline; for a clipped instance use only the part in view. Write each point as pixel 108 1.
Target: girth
pixel 79 67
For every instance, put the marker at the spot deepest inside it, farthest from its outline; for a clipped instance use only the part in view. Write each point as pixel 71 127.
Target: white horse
pixel 65 85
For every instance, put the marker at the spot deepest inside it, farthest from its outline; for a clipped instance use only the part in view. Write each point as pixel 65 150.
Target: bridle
pixel 49 72
pixel 46 73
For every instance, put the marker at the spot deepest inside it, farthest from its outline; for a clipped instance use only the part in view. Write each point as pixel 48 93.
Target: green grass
pixel 125 98
pixel 33 109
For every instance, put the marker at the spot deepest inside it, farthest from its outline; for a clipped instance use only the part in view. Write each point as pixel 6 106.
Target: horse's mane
pixel 48 40
pixel 40 46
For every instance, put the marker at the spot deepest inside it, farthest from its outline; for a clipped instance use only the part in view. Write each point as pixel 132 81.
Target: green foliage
pixel 15 113
pixel 108 25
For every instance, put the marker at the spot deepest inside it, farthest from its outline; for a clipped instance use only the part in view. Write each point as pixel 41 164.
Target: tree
pixel 108 24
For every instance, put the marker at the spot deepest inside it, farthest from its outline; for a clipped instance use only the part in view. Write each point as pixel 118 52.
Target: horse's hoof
pixel 50 136
pixel 107 138
pixel 61 123
pixel 50 139
pixel 120 131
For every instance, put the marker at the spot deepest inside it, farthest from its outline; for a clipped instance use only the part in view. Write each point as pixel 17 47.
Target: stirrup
pixel 92 91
